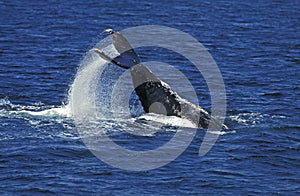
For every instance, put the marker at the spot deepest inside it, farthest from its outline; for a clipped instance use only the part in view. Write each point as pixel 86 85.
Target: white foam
pixel 222 132
pixel 52 112
pixel 168 120
pixel 38 109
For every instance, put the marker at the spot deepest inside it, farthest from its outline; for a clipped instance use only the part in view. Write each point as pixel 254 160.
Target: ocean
pixel 45 45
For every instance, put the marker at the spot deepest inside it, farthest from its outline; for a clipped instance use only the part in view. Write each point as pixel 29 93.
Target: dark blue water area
pixel 256 45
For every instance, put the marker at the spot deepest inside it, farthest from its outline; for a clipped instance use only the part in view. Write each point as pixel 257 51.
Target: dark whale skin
pixel 151 90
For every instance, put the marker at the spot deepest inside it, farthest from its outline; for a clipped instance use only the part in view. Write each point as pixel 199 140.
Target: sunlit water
pixel 256 46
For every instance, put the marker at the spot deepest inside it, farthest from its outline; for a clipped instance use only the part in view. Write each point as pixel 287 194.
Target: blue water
pixel 256 46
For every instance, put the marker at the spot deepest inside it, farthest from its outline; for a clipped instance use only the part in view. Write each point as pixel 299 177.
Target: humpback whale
pixel 155 95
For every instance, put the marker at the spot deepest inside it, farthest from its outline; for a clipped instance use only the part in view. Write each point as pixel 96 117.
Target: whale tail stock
pixel 155 95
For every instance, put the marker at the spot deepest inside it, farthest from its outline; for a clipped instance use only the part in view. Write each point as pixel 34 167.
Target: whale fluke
pixel 155 95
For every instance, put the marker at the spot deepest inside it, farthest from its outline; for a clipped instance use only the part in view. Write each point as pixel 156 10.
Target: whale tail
pixel 127 58
pixel 155 95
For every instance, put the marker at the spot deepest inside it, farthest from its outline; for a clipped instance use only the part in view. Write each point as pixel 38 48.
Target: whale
pixel 155 95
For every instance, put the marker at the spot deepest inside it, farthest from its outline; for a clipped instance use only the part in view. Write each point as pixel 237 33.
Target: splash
pixel 99 84
pixel 63 111
pixel 89 94
pixel 8 109
pixel 168 120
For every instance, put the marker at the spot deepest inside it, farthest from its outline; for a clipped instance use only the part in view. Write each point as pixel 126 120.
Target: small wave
pixel 252 119
pixel 273 94
pixel 39 116
pixel 8 109
pixel 52 112
pixel 222 132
